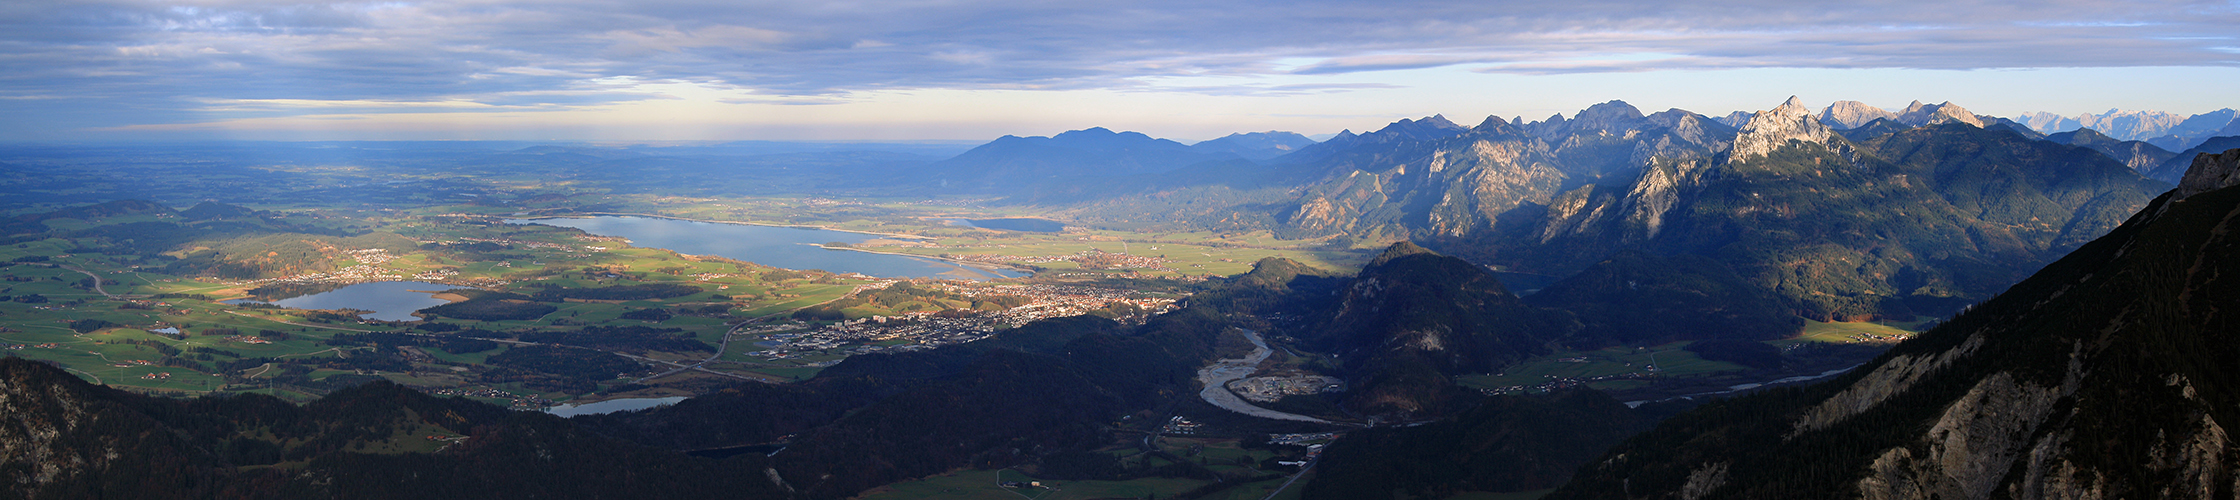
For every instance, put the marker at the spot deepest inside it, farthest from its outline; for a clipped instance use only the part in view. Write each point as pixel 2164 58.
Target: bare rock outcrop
pixel 1852 114
pixel 1770 130
pixel 2210 172
pixel 1921 115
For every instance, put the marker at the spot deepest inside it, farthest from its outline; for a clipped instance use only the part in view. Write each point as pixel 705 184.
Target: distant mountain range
pixel 1256 145
pixel 2166 130
pixel 1981 200
pixel 1984 200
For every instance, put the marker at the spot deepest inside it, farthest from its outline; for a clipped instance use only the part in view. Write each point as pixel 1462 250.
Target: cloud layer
pixel 180 60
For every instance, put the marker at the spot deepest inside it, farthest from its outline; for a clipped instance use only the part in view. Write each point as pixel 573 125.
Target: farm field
pixel 984 485
pixel 1669 360
pixel 1883 332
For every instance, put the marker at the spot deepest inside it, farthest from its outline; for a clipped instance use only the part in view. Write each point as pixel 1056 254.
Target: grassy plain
pixel 985 485
pixel 1670 360
pixel 1817 331
pixel 47 293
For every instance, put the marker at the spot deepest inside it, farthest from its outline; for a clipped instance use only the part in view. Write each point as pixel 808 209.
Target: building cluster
pixel 1270 389
pixel 926 329
pixel 1556 383
pixel 1179 425
pixel 371 256
pixel 1053 301
pixel 520 243
pixel 1314 451
pixel 1302 439
pixel 361 273
pixel 1870 337
pixel 917 331
pixel 519 402
pixel 1087 259
pixel 439 274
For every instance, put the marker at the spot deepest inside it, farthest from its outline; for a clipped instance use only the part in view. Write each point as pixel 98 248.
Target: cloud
pixel 177 59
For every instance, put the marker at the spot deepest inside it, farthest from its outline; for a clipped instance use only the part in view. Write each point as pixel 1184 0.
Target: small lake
pixel 612 405
pixel 781 247
pixel 389 300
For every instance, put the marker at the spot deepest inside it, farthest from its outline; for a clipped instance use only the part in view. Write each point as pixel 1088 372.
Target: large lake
pixel 389 300
pixel 782 247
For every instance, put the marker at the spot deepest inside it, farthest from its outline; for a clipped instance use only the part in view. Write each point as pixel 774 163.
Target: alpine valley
pixel 1797 302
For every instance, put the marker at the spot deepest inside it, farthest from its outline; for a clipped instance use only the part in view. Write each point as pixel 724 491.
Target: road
pixel 1294 478
pixel 96 280
pixel 1216 378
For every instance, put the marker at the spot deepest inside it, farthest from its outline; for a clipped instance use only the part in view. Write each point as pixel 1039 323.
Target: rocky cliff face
pixel 40 431
pixel 1918 114
pixel 1904 197
pixel 2105 375
pixel 1770 130
pixel 1615 139
pixel 2210 173
pixel 1452 186
pixel 1852 114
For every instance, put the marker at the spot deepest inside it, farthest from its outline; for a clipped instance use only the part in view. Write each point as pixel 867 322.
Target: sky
pixel 661 70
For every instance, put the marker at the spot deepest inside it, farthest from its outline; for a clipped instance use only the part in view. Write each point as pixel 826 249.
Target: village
pixel 518 402
pixel 1087 259
pixel 1558 383
pixel 920 330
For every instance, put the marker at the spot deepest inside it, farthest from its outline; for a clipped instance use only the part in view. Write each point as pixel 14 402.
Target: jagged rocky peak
pixel 1428 128
pixel 1674 117
pixel 1494 124
pixel 2210 172
pixel 1769 130
pixel 1735 119
pixel 1693 127
pixel 1609 117
pixel 1919 115
pixel 1852 114
pixel 1551 127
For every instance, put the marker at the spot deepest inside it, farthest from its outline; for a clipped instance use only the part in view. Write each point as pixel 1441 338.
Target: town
pixel 919 330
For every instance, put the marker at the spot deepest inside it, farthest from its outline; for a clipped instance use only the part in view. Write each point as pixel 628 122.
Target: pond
pixel 389 300
pixel 781 247
pixel 611 406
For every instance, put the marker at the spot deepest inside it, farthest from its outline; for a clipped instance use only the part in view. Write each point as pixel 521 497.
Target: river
pixel 1216 378
pixel 782 247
